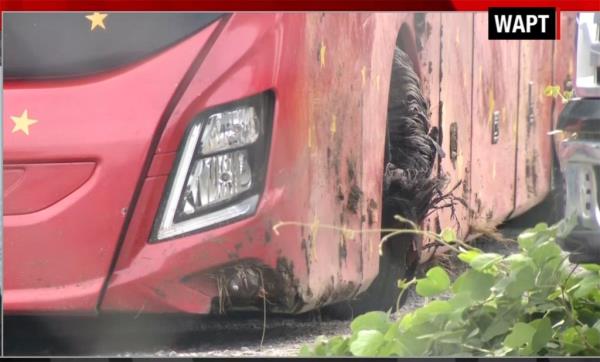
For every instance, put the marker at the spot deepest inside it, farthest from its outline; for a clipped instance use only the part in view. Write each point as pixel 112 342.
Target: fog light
pixel 216 178
pixel 220 168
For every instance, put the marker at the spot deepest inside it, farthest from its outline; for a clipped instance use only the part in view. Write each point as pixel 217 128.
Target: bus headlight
pixel 220 169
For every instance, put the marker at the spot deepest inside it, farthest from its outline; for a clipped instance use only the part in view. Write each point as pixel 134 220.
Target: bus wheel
pixel 408 184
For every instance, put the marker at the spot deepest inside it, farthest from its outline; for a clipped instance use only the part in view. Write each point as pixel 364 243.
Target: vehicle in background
pixel 579 148
pixel 148 160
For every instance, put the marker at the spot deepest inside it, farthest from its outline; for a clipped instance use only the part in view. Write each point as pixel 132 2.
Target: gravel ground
pixel 286 343
pixel 159 336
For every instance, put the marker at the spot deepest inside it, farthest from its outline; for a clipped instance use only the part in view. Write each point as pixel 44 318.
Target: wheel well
pixel 411 188
pixel 407 43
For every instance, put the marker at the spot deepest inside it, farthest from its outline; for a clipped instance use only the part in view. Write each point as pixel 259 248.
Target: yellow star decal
pixel 22 123
pixel 97 19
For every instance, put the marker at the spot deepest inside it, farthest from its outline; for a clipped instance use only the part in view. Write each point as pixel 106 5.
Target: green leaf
pixel 376 320
pixel 459 302
pixel 412 345
pixel 591 267
pixel 587 285
pixel 426 314
pixel 392 332
pixel 320 347
pixel 555 294
pixel 338 346
pixel 517 261
pixel 548 277
pixel 544 252
pixel 392 348
pixel 522 334
pixel 435 282
pixel 520 281
pixel 571 342
pixel 498 327
pixel 435 307
pixel 549 91
pixel 485 261
pixel 448 235
pixel 367 343
pixel 305 351
pixel 543 334
pixel 568 95
pixel 527 238
pixel 592 336
pixel 595 296
pixel 468 256
pixel 477 284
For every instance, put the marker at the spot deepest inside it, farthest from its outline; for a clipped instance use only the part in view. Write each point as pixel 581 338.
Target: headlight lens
pixel 226 130
pixel 220 170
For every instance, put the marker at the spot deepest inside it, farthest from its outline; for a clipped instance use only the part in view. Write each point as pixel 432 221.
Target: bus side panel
pixel 455 115
pixel 494 106
pixel 427 28
pixel 564 60
pixel 534 159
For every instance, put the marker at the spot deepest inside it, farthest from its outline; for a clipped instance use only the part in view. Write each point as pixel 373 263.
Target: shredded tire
pixel 409 189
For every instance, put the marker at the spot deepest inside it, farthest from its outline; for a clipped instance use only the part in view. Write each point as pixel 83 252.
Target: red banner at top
pixel 294 5
pixel 290 5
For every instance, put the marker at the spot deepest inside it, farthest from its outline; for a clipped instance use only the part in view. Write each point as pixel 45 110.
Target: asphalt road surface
pixel 159 336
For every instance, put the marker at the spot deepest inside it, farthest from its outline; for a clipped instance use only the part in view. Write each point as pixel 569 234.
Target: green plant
pixel 554 91
pixel 533 302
